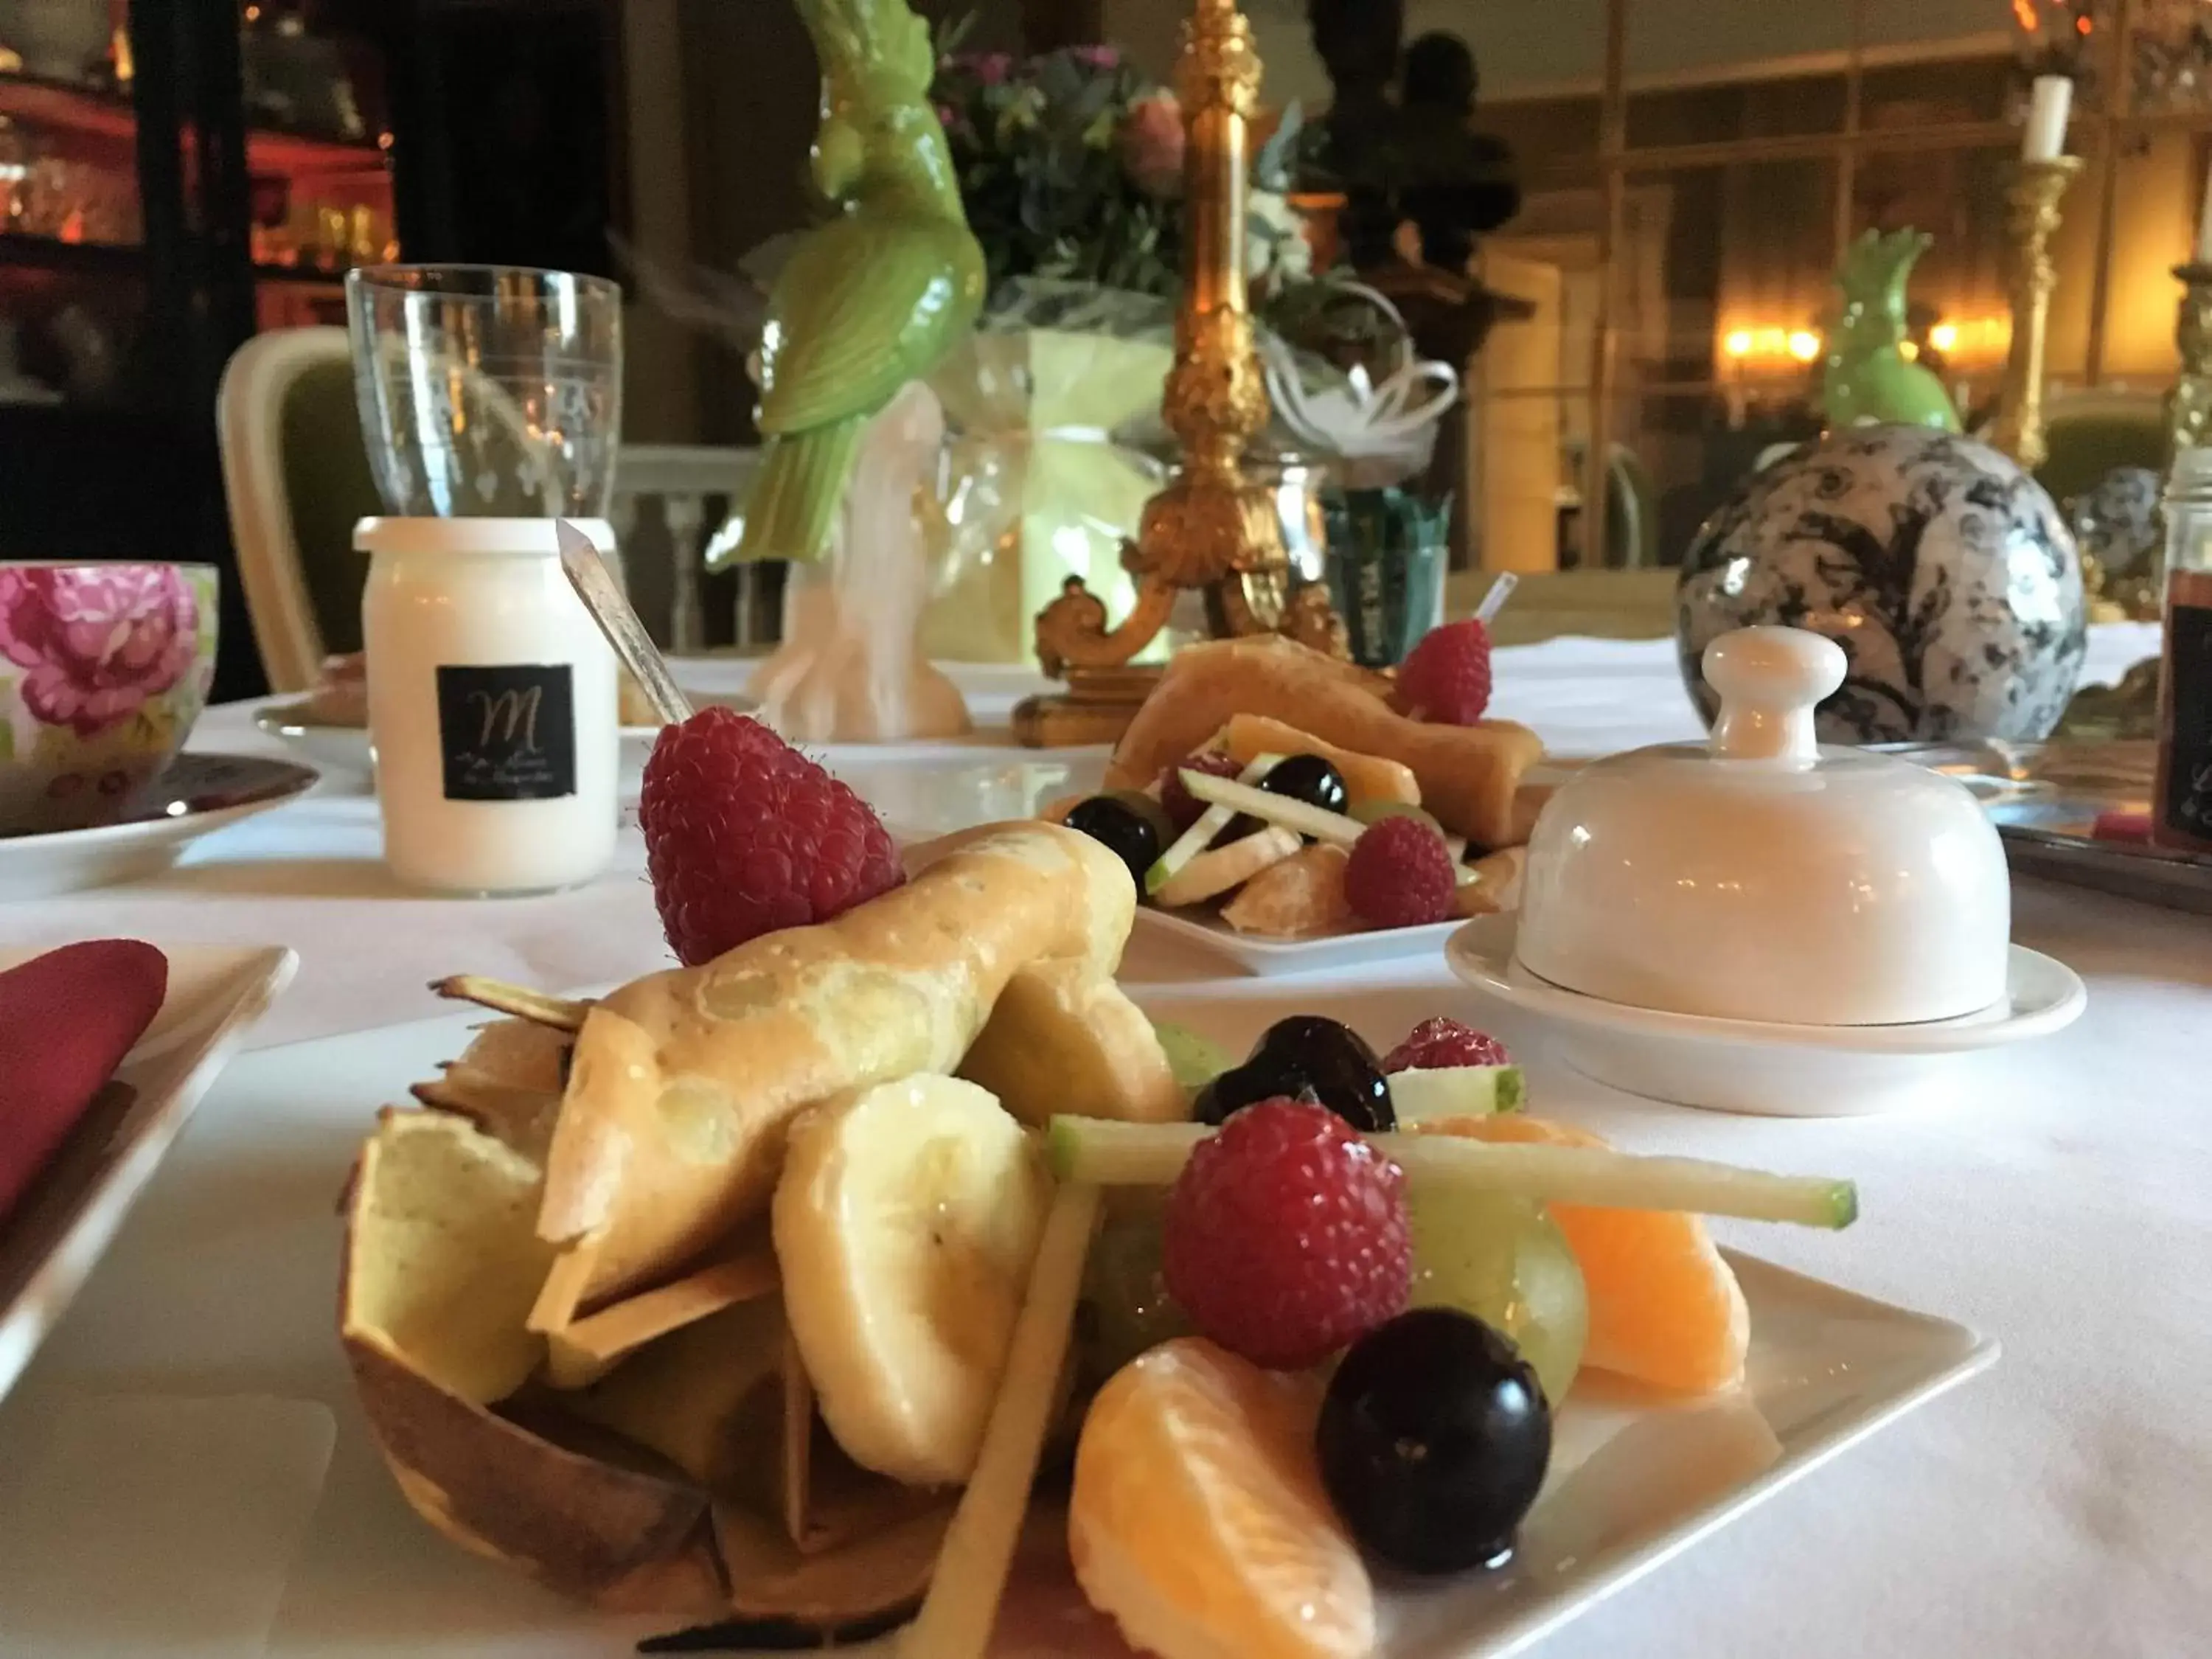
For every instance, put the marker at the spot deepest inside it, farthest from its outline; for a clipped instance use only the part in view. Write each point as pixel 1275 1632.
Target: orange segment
pixel 1664 1307
pixel 1198 1520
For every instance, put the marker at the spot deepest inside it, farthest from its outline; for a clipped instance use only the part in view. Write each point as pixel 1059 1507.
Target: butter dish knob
pixel 1769 680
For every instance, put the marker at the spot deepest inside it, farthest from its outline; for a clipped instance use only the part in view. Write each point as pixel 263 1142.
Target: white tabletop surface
pixel 2061 1505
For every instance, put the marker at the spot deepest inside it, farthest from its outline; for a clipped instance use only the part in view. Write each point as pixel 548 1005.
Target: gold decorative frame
pixel 1212 528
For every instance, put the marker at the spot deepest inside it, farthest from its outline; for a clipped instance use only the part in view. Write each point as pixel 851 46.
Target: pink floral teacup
pixel 103 670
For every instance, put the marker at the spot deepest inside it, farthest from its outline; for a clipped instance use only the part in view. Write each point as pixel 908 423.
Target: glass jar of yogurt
pixel 491 706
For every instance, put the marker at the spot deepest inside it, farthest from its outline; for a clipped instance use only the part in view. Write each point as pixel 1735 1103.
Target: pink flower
pixel 96 640
pixel 1096 57
pixel 1152 140
pixel 991 68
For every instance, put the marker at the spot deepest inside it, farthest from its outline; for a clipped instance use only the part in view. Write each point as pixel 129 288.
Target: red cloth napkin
pixel 67 1018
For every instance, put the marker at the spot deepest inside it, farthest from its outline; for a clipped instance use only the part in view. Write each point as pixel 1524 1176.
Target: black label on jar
pixel 508 733
pixel 2186 807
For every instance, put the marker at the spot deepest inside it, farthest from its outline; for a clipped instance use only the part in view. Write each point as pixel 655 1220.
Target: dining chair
pixel 296 476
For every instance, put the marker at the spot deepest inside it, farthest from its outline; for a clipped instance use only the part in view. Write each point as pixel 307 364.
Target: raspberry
pixel 744 836
pixel 1285 1236
pixel 1446 677
pixel 1436 1043
pixel 1399 875
pixel 1184 809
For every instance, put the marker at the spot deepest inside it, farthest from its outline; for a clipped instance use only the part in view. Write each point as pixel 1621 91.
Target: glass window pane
pixel 1522 50
pixel 1937 92
pixel 2159 185
pixel 1787 107
pixel 1676 458
pixel 1545 263
pixel 1710 254
pixel 1549 136
pixel 1680 41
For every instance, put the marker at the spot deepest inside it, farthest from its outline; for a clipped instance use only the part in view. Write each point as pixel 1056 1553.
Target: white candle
pixel 2204 223
pixel 2045 137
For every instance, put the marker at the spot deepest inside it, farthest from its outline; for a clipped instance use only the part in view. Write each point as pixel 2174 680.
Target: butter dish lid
pixel 1760 875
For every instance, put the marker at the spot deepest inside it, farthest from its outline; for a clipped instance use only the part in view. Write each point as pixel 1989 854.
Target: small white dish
pixel 73 1206
pixel 1825 886
pixel 198 795
pixel 1269 956
pixel 1770 1070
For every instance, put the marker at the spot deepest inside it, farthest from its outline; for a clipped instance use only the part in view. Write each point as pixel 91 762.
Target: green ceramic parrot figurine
pixel 872 299
pixel 1868 377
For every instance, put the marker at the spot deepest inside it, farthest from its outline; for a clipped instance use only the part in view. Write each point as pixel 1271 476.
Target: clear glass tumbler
pixel 487 391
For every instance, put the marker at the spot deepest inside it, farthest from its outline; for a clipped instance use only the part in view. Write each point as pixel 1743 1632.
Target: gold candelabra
pixel 2033 200
pixel 1212 528
pixel 2189 409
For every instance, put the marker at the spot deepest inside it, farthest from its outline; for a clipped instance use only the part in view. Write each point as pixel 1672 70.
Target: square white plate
pixel 225 1277
pixel 74 1205
pixel 1269 956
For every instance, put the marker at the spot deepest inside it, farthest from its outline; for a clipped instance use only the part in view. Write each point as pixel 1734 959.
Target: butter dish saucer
pixel 1770 1069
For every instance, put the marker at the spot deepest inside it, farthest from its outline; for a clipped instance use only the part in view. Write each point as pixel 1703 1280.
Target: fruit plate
pixel 248 1205
pixel 1270 957
pixel 74 1205
pixel 1634 1482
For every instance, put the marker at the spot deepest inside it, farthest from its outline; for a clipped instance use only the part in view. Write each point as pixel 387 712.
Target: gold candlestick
pixel 1212 528
pixel 2033 199
pixel 2189 408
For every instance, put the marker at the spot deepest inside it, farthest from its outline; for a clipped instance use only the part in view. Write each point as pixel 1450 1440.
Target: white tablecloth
pixel 2061 1505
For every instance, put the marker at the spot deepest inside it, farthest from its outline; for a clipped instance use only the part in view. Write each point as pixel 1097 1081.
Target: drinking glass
pixel 487 391
pixel 1387 549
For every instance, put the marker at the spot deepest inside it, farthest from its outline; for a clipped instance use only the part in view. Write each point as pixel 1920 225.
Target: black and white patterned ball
pixel 1943 570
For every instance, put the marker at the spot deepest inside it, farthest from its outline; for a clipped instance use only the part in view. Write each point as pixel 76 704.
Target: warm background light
pixel 1974 343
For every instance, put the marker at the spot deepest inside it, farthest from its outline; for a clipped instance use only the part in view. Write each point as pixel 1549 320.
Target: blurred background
pixel 180 174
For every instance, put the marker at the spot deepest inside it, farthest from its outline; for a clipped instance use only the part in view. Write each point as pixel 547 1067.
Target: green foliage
pixel 1037 147
pixel 1069 165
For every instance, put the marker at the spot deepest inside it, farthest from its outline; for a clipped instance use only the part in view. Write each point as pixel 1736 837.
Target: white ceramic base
pixel 1770 1070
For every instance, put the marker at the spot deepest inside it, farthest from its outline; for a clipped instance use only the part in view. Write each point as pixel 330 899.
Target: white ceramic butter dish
pixel 1763 877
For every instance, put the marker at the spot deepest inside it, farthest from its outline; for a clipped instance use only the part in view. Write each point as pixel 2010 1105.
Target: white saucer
pixel 1745 1065
pixel 197 796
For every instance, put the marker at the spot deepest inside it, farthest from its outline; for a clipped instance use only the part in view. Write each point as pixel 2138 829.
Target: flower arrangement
pixel 1070 165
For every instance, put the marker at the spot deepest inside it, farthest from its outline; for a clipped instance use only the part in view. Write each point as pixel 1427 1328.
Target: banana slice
pixel 904 1222
pixel 1064 1038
